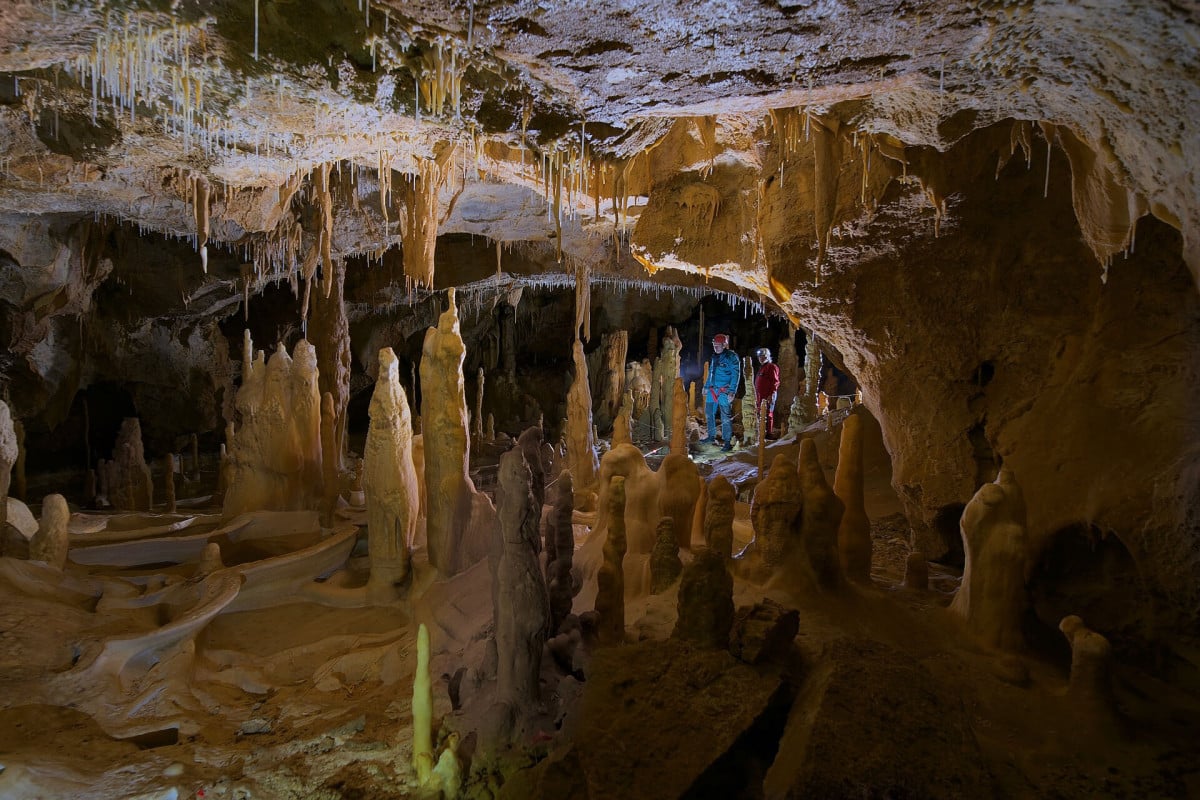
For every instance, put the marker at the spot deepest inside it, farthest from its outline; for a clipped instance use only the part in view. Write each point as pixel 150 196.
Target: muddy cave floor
pixel 883 696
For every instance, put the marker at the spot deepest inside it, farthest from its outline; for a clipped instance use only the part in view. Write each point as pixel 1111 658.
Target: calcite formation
pixel 274 456
pixel 1091 682
pixel 705 601
pixel 130 486
pixel 581 448
pixel 50 543
pixel 558 570
pixel 993 597
pixel 389 481
pixel 776 513
pixel 8 457
pixel 820 519
pixel 522 604
pixel 854 531
pixel 610 593
pixel 665 565
pixel 457 517
pixel 718 516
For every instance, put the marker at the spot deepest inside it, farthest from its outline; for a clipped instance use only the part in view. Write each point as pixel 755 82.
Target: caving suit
pixel 724 374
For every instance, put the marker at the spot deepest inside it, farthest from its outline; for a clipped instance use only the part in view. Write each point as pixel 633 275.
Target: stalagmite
pixel 916 572
pixel 422 710
pixel 530 444
pixel 718 516
pixel 775 512
pixel 195 445
pixel 610 380
pixel 129 483
pixel 50 543
pixel 820 520
pixel 749 425
pixel 854 532
pixel 581 451
pixel 665 565
pixel 812 378
pixel 8 457
pixel 678 492
pixel 623 423
pixel 1091 686
pixel 522 604
pixel 610 596
pixel 489 431
pixel 705 610
pixel 477 417
pixel 992 596
pixel 458 517
pixel 698 517
pixel 637 384
pixel 329 332
pixel 275 459
pixel 330 477
pixel 210 561
pixel 662 379
pixel 389 481
pixel 169 481
pixel 679 418
pixel 789 371
pixel 559 570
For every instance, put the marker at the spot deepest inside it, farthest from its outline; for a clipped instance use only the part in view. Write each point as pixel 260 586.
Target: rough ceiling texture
pixel 943 191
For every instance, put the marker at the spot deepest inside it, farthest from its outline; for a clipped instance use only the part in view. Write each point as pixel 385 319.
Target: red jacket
pixel 766 383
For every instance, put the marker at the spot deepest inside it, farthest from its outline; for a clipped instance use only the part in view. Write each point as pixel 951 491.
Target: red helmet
pixel 721 338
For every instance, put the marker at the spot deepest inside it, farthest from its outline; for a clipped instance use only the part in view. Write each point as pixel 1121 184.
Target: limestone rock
pixel 763 632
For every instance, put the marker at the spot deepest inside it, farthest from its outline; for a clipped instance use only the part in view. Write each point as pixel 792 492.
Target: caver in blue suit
pixel 724 374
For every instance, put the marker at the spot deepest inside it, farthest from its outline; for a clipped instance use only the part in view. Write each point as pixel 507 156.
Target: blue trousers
pixel 724 404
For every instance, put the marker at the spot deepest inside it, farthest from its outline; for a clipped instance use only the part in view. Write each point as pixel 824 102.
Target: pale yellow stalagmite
pixel 992 596
pixel 789 372
pixel 477 417
pixel 623 423
pixel 581 450
pixel 128 475
pixel 422 710
pixel 679 419
pixel 749 426
pixel 458 518
pixel 854 532
pixel 50 543
pixel 390 482
pixel 610 382
pixel 666 370
pixel 329 332
pixel 275 459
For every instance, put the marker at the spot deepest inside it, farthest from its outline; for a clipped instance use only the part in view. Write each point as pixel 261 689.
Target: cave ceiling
pixel 722 141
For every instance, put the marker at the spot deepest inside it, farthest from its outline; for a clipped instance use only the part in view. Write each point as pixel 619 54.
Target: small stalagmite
pixel 195 445
pixel 916 572
pixel 820 519
pixel 389 481
pixel 522 604
pixel 330 477
pixel 749 417
pixel 775 513
pixel 1091 684
pixel 679 419
pixel 477 417
pixel 698 516
pixel 610 596
pixel 992 596
pixel 581 451
pixel 559 570
pixel 422 710
pixel 705 609
pixel 169 481
pixel 51 541
pixel 623 423
pixel 8 457
pixel 665 564
pixel 210 560
pixel 718 516
pixel 854 531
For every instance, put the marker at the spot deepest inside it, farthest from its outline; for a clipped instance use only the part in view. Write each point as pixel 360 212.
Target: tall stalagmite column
pixel 854 532
pixel 610 594
pixel 449 489
pixel 679 419
pixel 610 383
pixel 8 457
pixel 789 373
pixel 329 332
pixel 522 603
pixel 581 451
pixel 390 481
